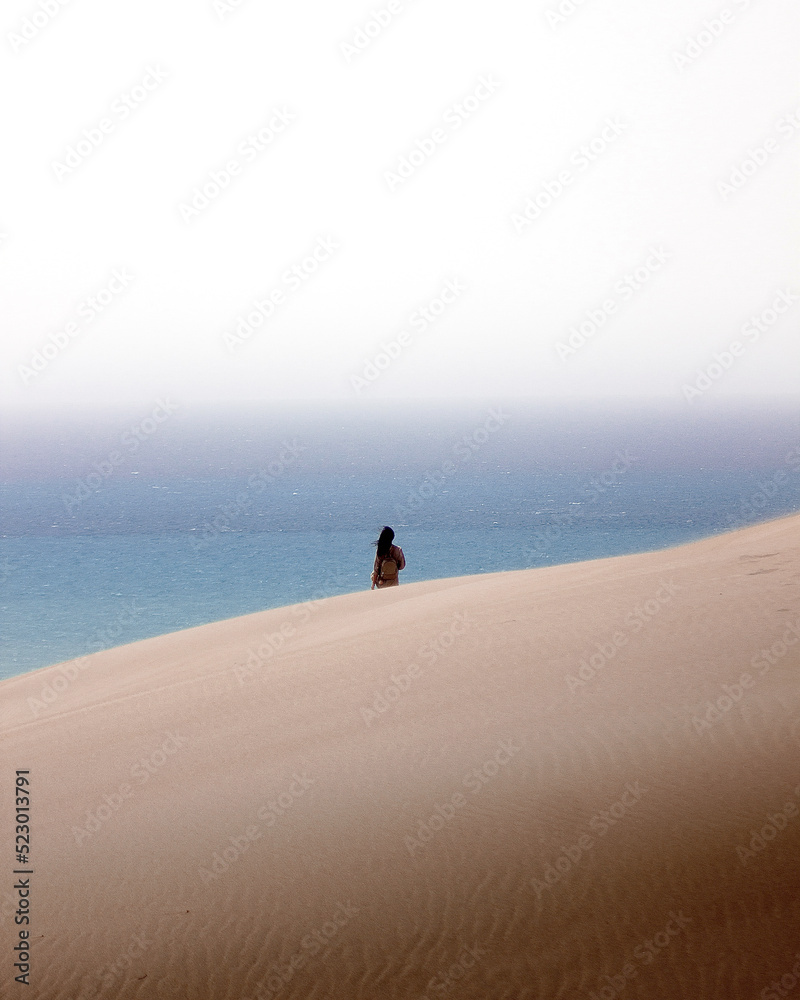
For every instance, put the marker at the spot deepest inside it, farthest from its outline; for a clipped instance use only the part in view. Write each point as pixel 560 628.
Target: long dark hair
pixel 384 541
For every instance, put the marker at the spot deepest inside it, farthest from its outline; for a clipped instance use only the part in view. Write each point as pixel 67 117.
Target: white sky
pixel 653 186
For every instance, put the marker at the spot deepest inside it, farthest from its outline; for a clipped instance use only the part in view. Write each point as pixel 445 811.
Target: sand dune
pixel 580 781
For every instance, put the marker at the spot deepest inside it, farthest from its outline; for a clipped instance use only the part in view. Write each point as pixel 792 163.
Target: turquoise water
pixel 143 555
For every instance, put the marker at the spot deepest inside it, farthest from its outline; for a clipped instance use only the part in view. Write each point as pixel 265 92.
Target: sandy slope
pixel 214 822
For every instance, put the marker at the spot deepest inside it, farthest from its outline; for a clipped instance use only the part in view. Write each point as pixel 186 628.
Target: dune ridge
pixel 577 781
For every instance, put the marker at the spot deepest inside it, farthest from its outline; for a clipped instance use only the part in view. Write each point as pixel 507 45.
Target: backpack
pixel 387 571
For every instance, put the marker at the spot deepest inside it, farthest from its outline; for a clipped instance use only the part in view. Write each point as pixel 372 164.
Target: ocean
pixel 118 527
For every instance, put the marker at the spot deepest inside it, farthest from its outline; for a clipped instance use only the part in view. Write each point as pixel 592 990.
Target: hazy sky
pixel 533 166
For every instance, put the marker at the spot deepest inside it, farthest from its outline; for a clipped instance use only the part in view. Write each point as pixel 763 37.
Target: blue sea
pixel 119 527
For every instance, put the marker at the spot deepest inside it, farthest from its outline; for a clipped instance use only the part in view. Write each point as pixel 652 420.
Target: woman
pixel 389 560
